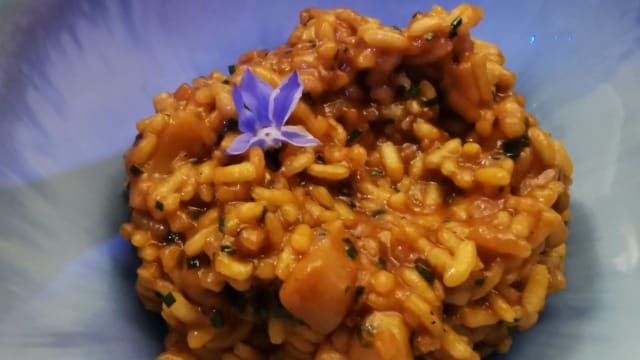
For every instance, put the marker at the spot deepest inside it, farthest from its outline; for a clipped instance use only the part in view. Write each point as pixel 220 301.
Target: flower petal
pixel 284 99
pixel 247 122
pixel 240 144
pixel 256 94
pixel 298 136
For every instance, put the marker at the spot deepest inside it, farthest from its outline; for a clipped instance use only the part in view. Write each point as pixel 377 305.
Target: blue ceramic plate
pixel 75 76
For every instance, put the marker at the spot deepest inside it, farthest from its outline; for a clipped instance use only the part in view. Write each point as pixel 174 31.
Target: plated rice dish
pixel 362 192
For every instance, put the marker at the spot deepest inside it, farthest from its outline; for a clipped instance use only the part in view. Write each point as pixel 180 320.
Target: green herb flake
pixel 396 28
pixel 351 250
pixel 232 69
pixel 353 136
pixel 430 36
pixel 376 173
pixel 377 213
pixel 169 300
pixel 423 269
pixel 513 147
pixel 455 24
pixel 135 170
pixel 227 249
pixel 358 293
pixel 159 205
pixel 430 102
pixel 413 91
pixel 173 237
pixel 221 223
pixel 382 263
pixel 193 263
pixel 217 319
pixel 479 282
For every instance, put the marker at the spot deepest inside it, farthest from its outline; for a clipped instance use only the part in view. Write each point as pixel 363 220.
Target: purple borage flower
pixel 263 111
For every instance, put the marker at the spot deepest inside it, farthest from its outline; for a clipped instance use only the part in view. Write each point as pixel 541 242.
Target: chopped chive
pixel 513 147
pixel 424 270
pixel 226 81
pixel 221 223
pixel 396 28
pixel 479 282
pixel 351 250
pixel 159 205
pixel 382 263
pixel 415 14
pixel 430 102
pixel 217 320
pixel 376 213
pixel 430 36
pixel 265 210
pixel 413 91
pixel 193 263
pixel 358 293
pixel 455 24
pixel 136 170
pixel 173 237
pixel 169 300
pixel 376 173
pixel 353 136
pixel 227 249
pixel 320 158
pixel 232 69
